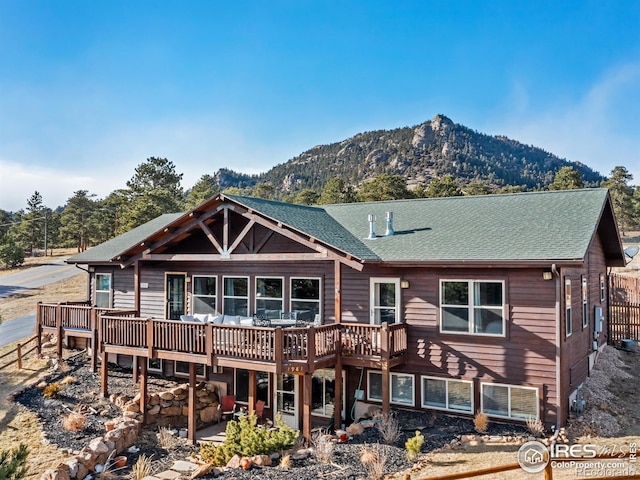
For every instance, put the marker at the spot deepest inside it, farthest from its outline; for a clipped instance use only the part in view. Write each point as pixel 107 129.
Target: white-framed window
pixel 181 369
pixel 241 386
pixel 384 300
pixel 323 400
pixel 402 388
pixel 156 365
pixel 585 302
pixel 205 294
pixel 103 290
pixel 305 297
pixel 401 385
pixel 447 394
pixel 235 296
pixel 510 401
pixel 472 307
pixel 603 288
pixel 269 296
pixel 374 385
pixel 567 306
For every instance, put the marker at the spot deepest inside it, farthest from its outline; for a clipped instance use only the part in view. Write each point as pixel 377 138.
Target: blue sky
pixel 89 90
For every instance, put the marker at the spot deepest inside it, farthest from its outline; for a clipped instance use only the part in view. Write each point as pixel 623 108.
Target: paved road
pixel 12 330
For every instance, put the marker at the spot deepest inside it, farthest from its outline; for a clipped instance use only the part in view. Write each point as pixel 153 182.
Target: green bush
pixel 413 445
pixel 246 438
pixel 11 254
pixel 13 462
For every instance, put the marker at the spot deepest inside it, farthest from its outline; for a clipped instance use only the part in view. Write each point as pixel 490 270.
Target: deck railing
pixel 295 346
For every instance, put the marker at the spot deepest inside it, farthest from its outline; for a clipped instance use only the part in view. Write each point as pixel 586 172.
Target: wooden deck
pixel 270 349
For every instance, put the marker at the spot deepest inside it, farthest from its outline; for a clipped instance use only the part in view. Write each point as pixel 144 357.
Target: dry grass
pixel 535 426
pixel 481 422
pixel 323 446
pixel 389 427
pixel 373 459
pixel 166 439
pixel 142 468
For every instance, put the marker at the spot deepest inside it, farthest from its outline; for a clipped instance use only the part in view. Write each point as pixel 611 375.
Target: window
pixel 323 400
pixel 269 296
pixel 205 294
pixel 385 302
pixel 374 386
pixel 585 303
pixel 447 394
pixel 567 305
pixel 402 390
pixel 603 288
pixel 305 297
pixel 242 386
pixel 236 296
pixel 510 401
pixel 103 290
pixel 181 369
pixel 156 364
pixel 475 307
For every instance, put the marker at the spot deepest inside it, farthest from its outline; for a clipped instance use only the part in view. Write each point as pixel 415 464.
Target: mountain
pixel 430 150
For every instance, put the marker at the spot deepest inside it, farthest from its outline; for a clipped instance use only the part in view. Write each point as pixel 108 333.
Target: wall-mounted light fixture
pixel 547 275
pixel 404 284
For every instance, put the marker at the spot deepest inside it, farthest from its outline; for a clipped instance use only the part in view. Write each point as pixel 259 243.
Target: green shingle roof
pixel 114 247
pixel 539 226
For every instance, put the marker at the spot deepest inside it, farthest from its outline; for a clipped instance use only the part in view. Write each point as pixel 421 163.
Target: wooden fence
pixel 624 307
pixel 20 353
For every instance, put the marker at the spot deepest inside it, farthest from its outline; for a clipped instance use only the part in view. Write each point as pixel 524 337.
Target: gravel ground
pixel 83 393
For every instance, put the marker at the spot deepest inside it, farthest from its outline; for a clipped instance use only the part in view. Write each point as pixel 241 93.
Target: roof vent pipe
pixel 389 231
pixel 372 233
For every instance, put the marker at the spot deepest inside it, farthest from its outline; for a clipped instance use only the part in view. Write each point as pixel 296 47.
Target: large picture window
pixel 269 296
pixel 242 386
pixel 472 306
pixel 236 296
pixel 510 401
pixel 447 394
pixel 205 294
pixel 305 297
pixel 103 290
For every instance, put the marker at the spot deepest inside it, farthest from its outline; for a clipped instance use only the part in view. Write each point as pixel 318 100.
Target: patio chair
pixel 228 405
pixel 259 409
pixel 261 321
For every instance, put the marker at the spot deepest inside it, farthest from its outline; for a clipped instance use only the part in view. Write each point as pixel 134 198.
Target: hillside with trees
pixel 435 159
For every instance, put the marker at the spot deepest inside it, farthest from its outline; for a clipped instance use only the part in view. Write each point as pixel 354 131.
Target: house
pixel 492 303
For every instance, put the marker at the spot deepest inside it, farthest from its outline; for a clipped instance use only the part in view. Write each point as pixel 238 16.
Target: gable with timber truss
pixel 222 230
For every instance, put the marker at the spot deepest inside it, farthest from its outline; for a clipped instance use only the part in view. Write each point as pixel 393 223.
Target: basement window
pixel 447 394
pixel 510 401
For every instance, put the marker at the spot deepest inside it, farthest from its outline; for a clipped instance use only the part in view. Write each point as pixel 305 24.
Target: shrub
pixel 74 422
pixel 245 438
pixel 67 380
pixel 413 445
pixel 165 438
pixel 535 426
pixel 323 446
pixel 389 427
pixel 13 462
pixel 142 468
pixel 374 460
pixel 285 462
pixel 52 390
pixel 481 422
pixel 11 254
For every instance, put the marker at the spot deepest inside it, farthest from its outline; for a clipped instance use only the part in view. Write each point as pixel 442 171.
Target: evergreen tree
pixel 203 190
pixel 443 187
pixel 567 178
pixel 478 187
pixel 336 191
pixel 263 190
pixel 306 197
pixel 29 228
pixel 153 190
pixel 384 187
pixel 621 196
pixel 76 220
pixel 13 463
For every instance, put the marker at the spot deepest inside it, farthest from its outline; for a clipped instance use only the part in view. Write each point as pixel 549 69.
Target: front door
pixel 286 398
pixel 175 290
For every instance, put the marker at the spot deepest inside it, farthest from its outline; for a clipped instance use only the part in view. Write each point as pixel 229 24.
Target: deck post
pixel 104 374
pixel 135 366
pixel 59 330
pixel 337 269
pixel 384 357
pixel 337 412
pixel 277 349
pixel 143 391
pixel 307 385
pixel 253 390
pixel 191 425
pixel 94 338
pixel 311 349
pixel 39 328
